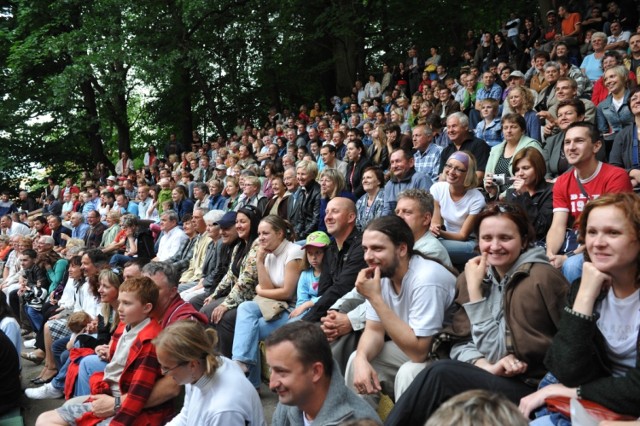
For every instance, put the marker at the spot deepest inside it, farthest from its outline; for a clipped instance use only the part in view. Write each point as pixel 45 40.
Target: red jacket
pixel 138 378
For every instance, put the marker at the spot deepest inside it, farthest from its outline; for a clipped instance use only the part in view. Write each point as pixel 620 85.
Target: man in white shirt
pixel 10 227
pixel 408 300
pixel 172 236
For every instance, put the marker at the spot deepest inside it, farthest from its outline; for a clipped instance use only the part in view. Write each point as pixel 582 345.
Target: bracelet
pixel 579 315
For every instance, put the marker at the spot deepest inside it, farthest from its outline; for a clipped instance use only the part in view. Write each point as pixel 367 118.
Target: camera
pixel 499 180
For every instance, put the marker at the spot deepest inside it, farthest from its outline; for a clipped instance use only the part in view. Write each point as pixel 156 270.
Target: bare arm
pixel 465 230
pixel 291 276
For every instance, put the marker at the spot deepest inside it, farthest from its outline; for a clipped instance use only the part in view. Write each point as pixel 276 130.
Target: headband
pixel 461 157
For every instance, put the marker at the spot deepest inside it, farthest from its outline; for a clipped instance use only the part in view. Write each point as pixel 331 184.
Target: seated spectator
pixel 613 113
pixel 610 59
pixel 457 202
pixel 93 236
pixel 239 282
pixel 110 234
pixel 624 152
pixel 370 205
pixel 279 265
pixel 296 351
pixel 125 205
pixel 378 152
pixel 138 242
pixel 124 164
pixel 404 176
pixel 358 162
pixel 172 238
pixel 9 376
pixel 532 191
pixel 589 178
pixel 501 157
pixel 307 220
pixel 279 199
pixel 426 152
pixel 331 186
pixel 51 206
pixel 251 194
pixel 181 203
pixel 591 65
pixel 139 295
pixel 485 357
pixel 232 191
pixel 6 206
pixel 600 317
pixel 477 407
pixel 461 139
pixel 489 129
pixel 521 102
pixel 217 201
pixel 584 86
pixel 216 391
pixel 10 227
pixel 566 89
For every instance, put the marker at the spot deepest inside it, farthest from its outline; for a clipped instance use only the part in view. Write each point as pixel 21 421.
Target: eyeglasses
pixel 164 371
pixel 457 170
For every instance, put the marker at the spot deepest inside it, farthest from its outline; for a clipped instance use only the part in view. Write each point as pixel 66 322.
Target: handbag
pixel 562 405
pixel 270 308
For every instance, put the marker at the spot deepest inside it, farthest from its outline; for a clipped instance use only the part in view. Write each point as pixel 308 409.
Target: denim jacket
pixel 611 121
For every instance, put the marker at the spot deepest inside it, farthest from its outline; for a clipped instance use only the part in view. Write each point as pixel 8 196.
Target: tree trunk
pixel 92 130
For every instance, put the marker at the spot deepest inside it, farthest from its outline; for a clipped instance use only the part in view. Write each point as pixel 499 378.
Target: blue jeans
pixel 544 417
pixel 89 365
pixel 251 327
pixel 57 349
pixel 572 267
pixel 119 260
pixel 58 381
pixel 460 251
pixel 35 318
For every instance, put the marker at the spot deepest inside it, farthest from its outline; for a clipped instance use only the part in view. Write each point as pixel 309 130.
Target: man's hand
pixel 365 378
pixel 509 366
pixel 103 405
pixel 336 324
pixel 103 352
pixel 217 313
pixel 368 283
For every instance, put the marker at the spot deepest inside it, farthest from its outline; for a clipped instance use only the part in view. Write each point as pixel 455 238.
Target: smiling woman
pixel 511 286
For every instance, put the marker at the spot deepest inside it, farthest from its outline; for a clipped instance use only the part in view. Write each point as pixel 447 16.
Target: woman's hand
pixel 532 402
pixel 591 285
pixel 509 366
pixel 518 186
pixel 261 254
pixel 435 229
pixel 474 271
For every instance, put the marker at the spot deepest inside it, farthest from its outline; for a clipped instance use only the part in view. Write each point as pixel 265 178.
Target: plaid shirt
pixel 428 162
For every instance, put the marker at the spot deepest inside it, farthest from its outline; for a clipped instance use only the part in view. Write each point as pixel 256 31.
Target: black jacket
pixel 356 187
pixel 340 269
pixel 307 221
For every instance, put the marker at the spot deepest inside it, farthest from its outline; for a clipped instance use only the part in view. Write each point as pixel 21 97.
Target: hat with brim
pixel 227 221
pixel 317 239
pixel 113 178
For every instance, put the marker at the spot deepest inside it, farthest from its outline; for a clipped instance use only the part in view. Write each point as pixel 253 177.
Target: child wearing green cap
pixel 315 246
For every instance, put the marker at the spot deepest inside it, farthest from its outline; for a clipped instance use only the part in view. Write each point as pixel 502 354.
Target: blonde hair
pixel 477 408
pixel 189 341
pixel 115 280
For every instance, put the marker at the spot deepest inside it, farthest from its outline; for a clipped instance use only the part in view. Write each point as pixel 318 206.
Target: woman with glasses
pixel 216 391
pixel 501 156
pixel 509 306
pixel 457 203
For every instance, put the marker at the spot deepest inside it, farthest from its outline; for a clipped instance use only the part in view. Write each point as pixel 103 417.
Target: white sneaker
pixel 44 392
pixel 30 344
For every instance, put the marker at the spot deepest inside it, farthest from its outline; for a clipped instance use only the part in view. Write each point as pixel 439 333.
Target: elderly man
pixel 172 236
pixel 403 176
pixel 10 227
pixel 426 156
pixel 57 231
pixel 125 205
pixel 93 235
pixel 566 89
pixel 462 140
pixel 309 385
pixel 408 298
pixel 78 227
pixel 206 236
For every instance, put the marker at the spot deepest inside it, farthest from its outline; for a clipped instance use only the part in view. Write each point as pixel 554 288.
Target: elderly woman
pixel 138 242
pixel 501 156
pixel 279 263
pixel 613 113
pixel 591 65
pixel 369 206
pixel 278 203
pixel 251 194
pixel 331 185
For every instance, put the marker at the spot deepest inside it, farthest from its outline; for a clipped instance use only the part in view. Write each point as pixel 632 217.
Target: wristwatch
pixel 117 405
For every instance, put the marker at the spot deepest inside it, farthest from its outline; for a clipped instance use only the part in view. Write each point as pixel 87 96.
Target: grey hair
pixel 424 199
pixel 552 64
pixel 165 268
pixel 462 118
pixel 213 216
pixel 170 215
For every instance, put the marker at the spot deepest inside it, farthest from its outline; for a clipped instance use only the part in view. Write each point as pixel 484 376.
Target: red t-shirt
pixel 567 196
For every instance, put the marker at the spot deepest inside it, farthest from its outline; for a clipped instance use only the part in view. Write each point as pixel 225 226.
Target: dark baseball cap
pixel 227 221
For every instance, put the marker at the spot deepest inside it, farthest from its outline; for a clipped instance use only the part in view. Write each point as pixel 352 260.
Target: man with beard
pixel 408 299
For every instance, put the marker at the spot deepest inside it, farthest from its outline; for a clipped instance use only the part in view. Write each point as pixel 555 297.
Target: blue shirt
pixel 79 231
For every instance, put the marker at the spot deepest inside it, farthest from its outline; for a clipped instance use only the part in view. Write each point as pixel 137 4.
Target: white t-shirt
pixel 227 398
pixel 425 296
pixel 619 323
pixel 170 243
pixel 454 213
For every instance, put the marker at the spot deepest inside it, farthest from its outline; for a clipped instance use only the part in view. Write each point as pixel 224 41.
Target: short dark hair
pixel 308 339
pixel 395 228
pixel 576 103
pixel 516 214
pixel 594 134
pixel 535 158
pixel 31 253
pixel 165 268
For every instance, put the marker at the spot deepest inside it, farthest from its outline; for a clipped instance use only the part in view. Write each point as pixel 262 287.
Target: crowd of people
pixel 466 227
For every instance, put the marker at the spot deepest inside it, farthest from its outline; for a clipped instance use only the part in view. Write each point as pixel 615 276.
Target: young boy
pixel 118 395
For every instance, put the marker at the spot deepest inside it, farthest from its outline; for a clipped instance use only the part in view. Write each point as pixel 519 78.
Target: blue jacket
pixel 395 186
pixel 611 121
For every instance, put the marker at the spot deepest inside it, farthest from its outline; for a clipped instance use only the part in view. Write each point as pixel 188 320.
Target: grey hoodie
pixel 487 315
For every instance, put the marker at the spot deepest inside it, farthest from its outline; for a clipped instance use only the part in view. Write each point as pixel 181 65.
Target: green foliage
pixel 83 80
